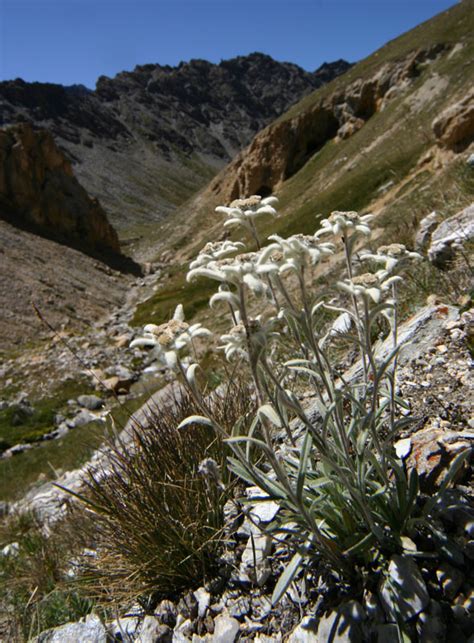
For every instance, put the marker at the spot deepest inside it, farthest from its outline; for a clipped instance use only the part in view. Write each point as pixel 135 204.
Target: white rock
pixel 226 628
pixel 88 630
pixel 150 630
pixel 403 448
pixel 123 628
pixel 305 632
pixel 203 598
pixel 183 631
pixel 264 511
pixel 11 549
pixel 254 565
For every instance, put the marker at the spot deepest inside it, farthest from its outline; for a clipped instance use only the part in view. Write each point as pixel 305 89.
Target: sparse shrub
pixel 345 498
pixel 158 510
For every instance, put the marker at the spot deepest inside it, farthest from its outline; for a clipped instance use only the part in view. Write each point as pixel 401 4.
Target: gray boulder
pixel 425 229
pixel 450 235
pixel 88 630
pixel 90 402
pixel 403 594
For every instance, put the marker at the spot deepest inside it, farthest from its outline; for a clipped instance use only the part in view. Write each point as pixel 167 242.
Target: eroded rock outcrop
pixel 38 191
pixel 281 149
pixel 454 128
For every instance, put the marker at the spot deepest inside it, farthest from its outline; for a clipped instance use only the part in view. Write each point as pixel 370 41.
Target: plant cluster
pixel 345 497
pixel 158 502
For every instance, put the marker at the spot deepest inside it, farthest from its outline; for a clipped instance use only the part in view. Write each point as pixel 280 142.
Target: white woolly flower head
pixel 235 271
pixel 170 338
pixel 344 222
pixel 215 250
pixel 242 211
pixel 390 255
pixel 369 286
pixel 236 341
pixel 291 254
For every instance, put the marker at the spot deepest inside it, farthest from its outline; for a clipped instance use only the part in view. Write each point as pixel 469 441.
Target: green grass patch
pixel 19 425
pixel 45 460
pixel 160 307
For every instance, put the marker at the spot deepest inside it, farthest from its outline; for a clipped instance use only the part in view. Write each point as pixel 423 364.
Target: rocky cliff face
pixel 398 126
pixel 282 149
pixel 38 191
pixel 146 140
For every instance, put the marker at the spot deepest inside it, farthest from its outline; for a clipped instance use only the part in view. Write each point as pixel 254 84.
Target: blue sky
pixel 75 41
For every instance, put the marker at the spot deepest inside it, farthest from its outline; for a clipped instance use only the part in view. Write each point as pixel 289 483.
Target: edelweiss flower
pixel 242 211
pixel 342 222
pixel 169 338
pixel 236 271
pixel 214 251
pixel 236 340
pixel 367 285
pixel 390 255
pixel 291 253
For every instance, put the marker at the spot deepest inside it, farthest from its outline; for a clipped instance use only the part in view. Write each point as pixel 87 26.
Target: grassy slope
pixel 351 174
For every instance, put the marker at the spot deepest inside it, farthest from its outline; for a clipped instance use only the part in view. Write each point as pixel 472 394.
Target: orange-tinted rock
pixel 454 128
pixel 38 191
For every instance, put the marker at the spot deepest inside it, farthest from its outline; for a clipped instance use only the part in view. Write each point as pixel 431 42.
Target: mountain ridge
pixel 144 141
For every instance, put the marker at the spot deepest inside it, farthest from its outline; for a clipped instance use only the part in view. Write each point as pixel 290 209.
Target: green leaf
pixel 286 577
pixel 305 451
pixel 269 412
pixel 361 546
pixel 196 419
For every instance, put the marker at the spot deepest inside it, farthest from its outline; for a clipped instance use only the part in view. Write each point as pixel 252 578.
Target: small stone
pixel 124 628
pixel 122 340
pixel 305 631
pixel 261 607
pixel 90 402
pixel 11 549
pixel 403 448
pixel 403 593
pixel 167 613
pixel 452 323
pixel 240 607
pixel 152 631
pixel 183 631
pixel 226 628
pixel 254 566
pixel 450 580
pixel 442 348
pixel 82 418
pixel 188 606
pixel 232 516
pixel 264 511
pixel 204 599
